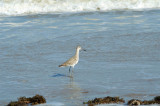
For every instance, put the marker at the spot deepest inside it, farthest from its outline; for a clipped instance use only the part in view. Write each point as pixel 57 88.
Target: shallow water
pixel 122 57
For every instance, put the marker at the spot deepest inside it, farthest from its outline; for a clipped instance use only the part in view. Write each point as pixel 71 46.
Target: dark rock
pixel 17 103
pixel 148 102
pixel 105 100
pixel 157 99
pixel 37 99
pixel 23 101
pixel 134 102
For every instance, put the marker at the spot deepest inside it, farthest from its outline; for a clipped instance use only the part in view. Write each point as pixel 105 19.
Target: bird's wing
pixel 69 62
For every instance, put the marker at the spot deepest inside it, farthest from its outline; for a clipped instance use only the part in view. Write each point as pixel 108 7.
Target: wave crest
pixel 18 7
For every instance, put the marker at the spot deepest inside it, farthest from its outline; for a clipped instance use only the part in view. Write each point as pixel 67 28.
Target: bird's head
pixel 79 48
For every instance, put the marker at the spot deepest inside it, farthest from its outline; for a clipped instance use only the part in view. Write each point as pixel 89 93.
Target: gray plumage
pixel 73 60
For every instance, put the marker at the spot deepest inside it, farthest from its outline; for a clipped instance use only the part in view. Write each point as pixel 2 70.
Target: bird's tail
pixel 61 65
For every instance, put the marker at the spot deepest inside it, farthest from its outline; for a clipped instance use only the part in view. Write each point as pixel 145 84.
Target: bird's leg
pixel 69 70
pixel 72 69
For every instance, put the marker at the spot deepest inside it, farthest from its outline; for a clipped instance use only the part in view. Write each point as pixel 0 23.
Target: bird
pixel 73 60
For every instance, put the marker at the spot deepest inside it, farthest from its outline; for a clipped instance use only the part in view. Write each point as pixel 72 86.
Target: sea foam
pixel 20 7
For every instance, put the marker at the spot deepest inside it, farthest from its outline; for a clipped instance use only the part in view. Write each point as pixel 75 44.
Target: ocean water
pixel 122 39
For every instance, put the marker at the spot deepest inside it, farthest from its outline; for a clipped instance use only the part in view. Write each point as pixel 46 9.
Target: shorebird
pixel 73 60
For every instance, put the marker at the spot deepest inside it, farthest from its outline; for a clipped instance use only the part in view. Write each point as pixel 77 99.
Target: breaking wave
pixel 20 7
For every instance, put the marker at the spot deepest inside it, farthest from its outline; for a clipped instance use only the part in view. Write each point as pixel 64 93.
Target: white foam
pixel 18 7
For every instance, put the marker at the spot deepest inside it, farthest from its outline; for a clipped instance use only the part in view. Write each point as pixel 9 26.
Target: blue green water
pixel 122 57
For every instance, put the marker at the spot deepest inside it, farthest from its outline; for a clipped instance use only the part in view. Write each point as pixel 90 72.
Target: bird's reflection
pixel 72 92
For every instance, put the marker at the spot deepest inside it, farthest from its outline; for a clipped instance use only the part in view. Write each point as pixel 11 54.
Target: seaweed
pixel 105 100
pixel 156 100
pixel 23 101
pixel 134 102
